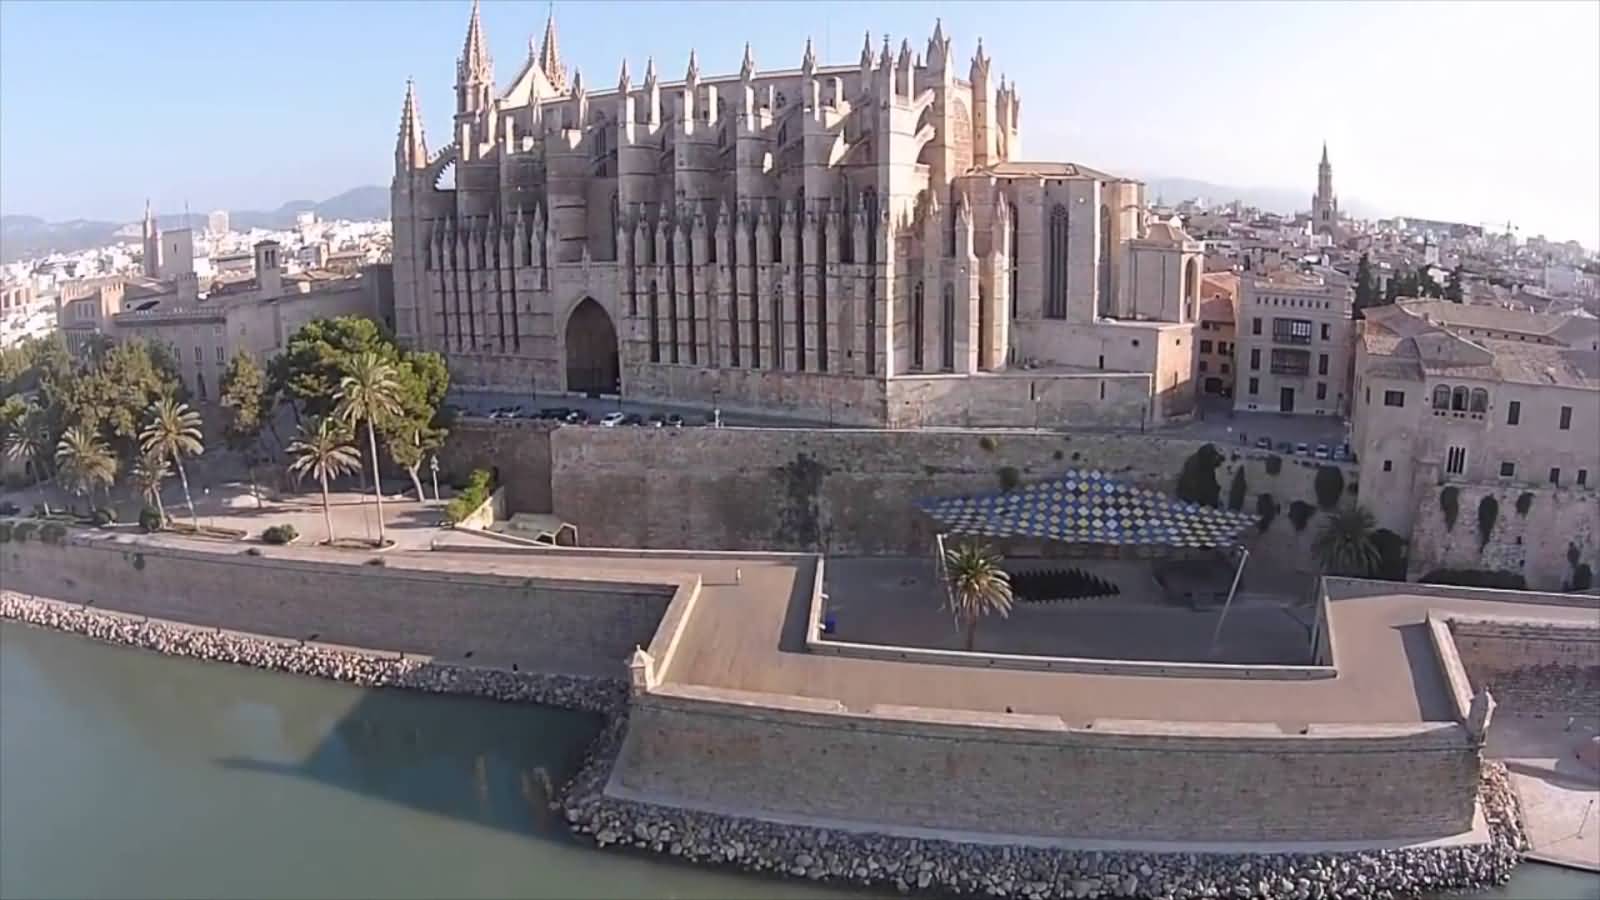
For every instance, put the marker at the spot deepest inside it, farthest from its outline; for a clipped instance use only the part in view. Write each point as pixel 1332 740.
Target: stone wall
pixel 831 490
pixel 1536 545
pixel 1531 666
pixel 771 756
pixel 1020 400
pixel 586 627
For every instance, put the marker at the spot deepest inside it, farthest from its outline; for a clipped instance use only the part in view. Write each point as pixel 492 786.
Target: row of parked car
pixel 1321 451
pixel 571 416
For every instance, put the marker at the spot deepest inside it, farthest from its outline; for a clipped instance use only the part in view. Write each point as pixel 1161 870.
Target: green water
pixel 126 774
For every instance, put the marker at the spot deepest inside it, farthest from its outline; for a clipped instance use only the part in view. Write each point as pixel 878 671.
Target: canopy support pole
pixel 1227 604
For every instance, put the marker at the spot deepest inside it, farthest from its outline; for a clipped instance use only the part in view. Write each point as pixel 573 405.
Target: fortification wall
pixel 516 450
pixel 581 626
pixel 1561 524
pixel 1020 401
pixel 1531 666
pixel 764 755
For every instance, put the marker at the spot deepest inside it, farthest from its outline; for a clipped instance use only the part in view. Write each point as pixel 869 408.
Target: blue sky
pixel 1482 112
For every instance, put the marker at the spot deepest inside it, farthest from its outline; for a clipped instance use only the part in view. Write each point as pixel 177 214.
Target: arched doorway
pixel 592 350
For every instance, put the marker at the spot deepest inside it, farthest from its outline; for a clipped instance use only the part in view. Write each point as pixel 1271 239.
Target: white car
pixel 611 420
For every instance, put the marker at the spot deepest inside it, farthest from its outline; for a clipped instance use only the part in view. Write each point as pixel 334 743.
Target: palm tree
pixel 369 392
pixel 27 440
pixel 149 471
pixel 173 432
pixel 1345 545
pixel 326 452
pixel 85 462
pixel 977 586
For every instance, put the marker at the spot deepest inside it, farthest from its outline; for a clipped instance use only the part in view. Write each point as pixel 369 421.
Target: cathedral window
pixel 611 232
pixel 869 204
pixel 947 355
pixel 950 225
pixel 1015 273
pixel 847 232
pixel 1103 302
pixel 655 321
pixel 916 326
pixel 1055 301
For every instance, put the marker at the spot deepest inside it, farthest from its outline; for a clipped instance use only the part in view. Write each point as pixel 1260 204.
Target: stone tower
pixel 1324 205
pixel 152 244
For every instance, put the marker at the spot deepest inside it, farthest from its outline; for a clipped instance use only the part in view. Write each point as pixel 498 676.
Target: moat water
pixel 127 774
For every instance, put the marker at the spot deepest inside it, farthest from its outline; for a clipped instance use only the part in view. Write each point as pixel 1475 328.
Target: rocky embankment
pixel 357 666
pixel 939 867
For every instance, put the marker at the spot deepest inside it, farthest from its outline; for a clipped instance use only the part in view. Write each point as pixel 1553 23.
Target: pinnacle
pixel 808 62
pixel 747 68
pixel 623 81
pixel 475 51
pixel 693 72
pixel 866 50
pixel 550 56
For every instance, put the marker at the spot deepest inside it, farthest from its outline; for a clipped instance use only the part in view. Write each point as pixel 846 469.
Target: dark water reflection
pixel 125 774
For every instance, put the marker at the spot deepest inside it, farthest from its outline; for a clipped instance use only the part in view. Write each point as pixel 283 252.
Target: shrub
pixel 477 490
pixel 1274 464
pixel 105 516
pixel 52 532
pixel 1236 490
pixel 988 444
pixel 149 520
pixel 252 551
pixel 1009 477
pixel 1300 513
pixel 1197 482
pixel 1582 578
pixel 375 561
pixel 1450 504
pixel 1057 455
pixel 1524 503
pixel 24 530
pixel 1329 485
pixel 279 534
pixel 1266 511
pixel 1485 578
pixel 1391 555
pixel 1488 512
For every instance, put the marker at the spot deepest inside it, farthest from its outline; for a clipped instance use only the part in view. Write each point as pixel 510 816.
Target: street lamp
pixel 433 468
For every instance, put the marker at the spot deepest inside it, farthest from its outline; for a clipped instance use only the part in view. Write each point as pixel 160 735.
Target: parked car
pixel 611 419
pixel 1344 451
pixel 1285 447
pixel 1302 449
pixel 656 420
pixel 577 417
pixel 1322 452
pixel 554 412
pixel 675 420
pixel 1264 443
pixel 633 419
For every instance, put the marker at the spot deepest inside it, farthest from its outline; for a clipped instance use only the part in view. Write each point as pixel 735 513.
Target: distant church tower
pixel 152 244
pixel 1324 205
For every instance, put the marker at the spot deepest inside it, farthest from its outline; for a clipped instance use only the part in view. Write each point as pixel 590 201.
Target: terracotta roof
pixel 1480 316
pixel 1045 170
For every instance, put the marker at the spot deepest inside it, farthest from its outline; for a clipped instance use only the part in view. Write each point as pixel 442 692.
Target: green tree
pixel 1425 285
pixel 1454 289
pixel 244 395
pixel 368 394
pixel 85 462
pixel 1197 481
pixel 149 472
pixel 1391 291
pixel 1236 490
pixel 28 437
pixel 314 362
pixel 1366 287
pixel 1345 544
pixel 324 450
pixel 977 586
pixel 418 429
pixel 173 432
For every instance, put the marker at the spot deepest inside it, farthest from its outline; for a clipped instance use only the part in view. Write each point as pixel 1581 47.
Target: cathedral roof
pixel 1046 170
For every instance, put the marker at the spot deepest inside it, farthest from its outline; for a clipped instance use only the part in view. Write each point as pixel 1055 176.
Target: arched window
pixel 1103 301
pixel 1458 400
pixel 950 225
pixel 916 326
pixel 1441 397
pixel 611 232
pixel 847 231
pixel 1012 249
pixel 869 208
pixel 1055 300
pixel 947 354
pixel 1480 400
pixel 655 324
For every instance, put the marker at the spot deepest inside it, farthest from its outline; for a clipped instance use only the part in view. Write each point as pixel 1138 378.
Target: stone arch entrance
pixel 592 366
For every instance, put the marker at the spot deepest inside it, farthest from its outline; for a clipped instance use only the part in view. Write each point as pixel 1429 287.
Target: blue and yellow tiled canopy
pixel 1088 507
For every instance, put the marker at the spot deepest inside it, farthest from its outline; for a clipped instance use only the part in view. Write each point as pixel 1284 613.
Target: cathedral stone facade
pixel 857 242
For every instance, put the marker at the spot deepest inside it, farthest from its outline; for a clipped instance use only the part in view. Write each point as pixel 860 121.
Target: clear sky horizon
pixel 1480 112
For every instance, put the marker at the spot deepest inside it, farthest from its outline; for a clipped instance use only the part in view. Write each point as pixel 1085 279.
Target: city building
pixel 217 222
pixel 1294 343
pixel 1490 402
pixel 1214 358
pixel 861 241
pixel 1324 203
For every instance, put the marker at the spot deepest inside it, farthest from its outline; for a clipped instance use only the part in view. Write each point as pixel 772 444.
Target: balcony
pixel 1291 362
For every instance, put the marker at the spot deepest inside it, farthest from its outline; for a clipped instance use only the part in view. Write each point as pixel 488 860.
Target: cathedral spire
pixel 410 149
pixel 474 70
pixel 475 50
pixel 1324 153
pixel 692 73
pixel 550 56
pixel 866 51
pixel 624 83
pixel 808 62
pixel 747 68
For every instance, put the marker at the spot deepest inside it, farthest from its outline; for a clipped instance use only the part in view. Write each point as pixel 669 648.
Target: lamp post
pixel 433 469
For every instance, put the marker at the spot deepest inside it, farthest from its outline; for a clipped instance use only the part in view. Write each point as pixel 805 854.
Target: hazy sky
pixel 1471 112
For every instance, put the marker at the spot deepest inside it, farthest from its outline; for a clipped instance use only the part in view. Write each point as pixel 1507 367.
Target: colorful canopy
pixel 1089 508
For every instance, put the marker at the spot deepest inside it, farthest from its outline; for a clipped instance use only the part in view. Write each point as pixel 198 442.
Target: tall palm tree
pixel 977 586
pixel 85 462
pixel 326 452
pixel 173 432
pixel 149 471
pixel 369 392
pixel 1345 544
pixel 28 439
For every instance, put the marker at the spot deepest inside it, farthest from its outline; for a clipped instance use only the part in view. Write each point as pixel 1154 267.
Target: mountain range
pixel 22 237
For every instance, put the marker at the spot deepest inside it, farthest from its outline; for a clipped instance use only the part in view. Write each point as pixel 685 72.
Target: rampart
pixel 1531 666
pixel 578 624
